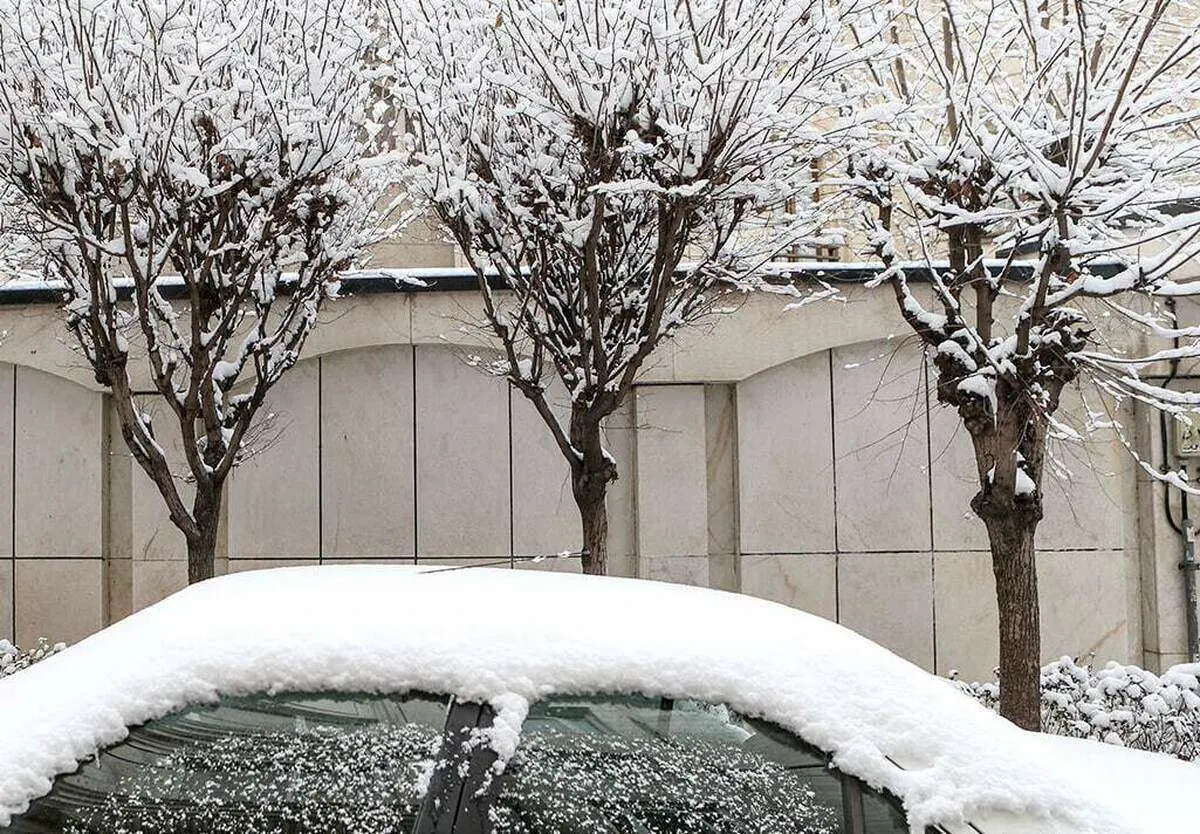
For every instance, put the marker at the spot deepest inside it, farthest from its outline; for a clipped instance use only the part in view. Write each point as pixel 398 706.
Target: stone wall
pixel 789 455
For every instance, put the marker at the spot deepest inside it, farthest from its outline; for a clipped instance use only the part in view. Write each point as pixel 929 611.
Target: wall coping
pixel 460 279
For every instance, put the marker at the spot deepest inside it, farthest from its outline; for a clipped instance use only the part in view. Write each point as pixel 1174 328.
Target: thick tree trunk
pixel 593 514
pixel 1011 536
pixel 202 541
pixel 592 470
pixel 201 554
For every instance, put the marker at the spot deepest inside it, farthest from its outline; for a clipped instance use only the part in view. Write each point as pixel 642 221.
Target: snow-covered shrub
pixel 13 659
pixel 1123 705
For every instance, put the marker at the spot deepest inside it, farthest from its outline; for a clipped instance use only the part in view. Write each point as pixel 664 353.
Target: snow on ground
pixel 507 636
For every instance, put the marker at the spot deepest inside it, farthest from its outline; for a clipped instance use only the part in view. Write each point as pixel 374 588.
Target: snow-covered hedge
pixel 13 659
pixel 1123 705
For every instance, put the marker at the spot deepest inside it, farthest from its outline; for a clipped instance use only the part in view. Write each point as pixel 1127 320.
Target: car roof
pixel 509 637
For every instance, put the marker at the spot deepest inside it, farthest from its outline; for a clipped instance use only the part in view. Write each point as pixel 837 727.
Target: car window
pixel 629 765
pixel 881 814
pixel 368 764
pixel 284 764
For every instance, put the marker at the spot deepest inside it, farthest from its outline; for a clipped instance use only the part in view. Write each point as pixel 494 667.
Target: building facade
pixel 796 455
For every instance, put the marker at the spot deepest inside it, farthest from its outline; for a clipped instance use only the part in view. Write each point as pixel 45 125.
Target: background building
pixel 785 454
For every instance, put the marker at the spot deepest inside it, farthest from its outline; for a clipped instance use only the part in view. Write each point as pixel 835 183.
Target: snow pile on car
pixel 511 636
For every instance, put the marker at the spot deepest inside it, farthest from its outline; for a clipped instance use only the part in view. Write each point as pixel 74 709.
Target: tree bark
pixel 593 515
pixel 592 470
pixel 201 555
pixel 1009 446
pixel 202 540
pixel 1011 538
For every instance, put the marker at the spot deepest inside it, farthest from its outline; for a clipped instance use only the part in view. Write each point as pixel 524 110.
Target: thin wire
pixel 566 554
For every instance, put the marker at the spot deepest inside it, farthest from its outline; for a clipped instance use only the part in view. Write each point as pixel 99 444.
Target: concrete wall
pixel 793 456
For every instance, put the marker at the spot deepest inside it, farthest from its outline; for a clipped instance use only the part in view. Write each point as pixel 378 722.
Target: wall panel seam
pixel 13 507
pixel 416 447
pixel 512 493
pixel 929 481
pixel 320 460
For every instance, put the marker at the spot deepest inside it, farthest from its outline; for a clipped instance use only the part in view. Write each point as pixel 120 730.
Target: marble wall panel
pixel 153 536
pixel 7 427
pixel 7 626
pixel 273 499
pixel 720 430
pixel 557 566
pixel 361 321
pixel 61 599
pixel 368 496
pixel 965 605
pixel 545 518
pixel 1083 497
pixel 805 582
pixel 238 565
pixel 1082 600
pixel 58 467
pixel 460 563
pixel 118 588
pixel 462 466
pixel 888 598
pixel 785 459
pixel 154 580
pixel 1082 488
pixel 955 527
pixel 682 570
pixel 672 484
pixel 620 438
pixel 883 487
pixel 1084 609
pixel 452 318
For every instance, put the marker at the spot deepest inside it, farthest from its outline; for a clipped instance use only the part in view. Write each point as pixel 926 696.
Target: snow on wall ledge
pixel 501 636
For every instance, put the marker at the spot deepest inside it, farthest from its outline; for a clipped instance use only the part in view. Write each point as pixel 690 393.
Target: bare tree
pixel 614 166
pixel 1064 136
pixel 200 174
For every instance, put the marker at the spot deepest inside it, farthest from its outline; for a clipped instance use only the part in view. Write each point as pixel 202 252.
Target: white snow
pixel 505 733
pixel 1024 483
pixel 1154 787
pixel 510 637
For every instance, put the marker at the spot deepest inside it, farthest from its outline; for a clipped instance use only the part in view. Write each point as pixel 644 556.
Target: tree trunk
pixel 593 514
pixel 201 553
pixel 1011 536
pixel 592 470
pixel 202 542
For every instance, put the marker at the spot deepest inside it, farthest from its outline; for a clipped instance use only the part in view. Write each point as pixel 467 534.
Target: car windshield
pixel 260 765
pixel 366 764
pixel 660 765
pixel 641 765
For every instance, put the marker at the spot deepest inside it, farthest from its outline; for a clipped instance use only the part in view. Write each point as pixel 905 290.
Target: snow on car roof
pixel 500 635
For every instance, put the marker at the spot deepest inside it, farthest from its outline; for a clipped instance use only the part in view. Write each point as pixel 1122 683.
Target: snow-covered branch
pixel 1065 140
pixel 220 142
pixel 619 164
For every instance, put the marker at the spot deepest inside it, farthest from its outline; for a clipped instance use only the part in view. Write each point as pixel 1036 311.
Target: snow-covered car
pixel 384 699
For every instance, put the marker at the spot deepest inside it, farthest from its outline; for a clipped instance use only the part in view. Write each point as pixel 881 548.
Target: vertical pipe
pixel 1189 566
pixel 1185 529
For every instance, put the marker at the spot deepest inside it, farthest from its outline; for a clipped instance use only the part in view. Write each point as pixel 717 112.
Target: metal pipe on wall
pixel 1184 528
